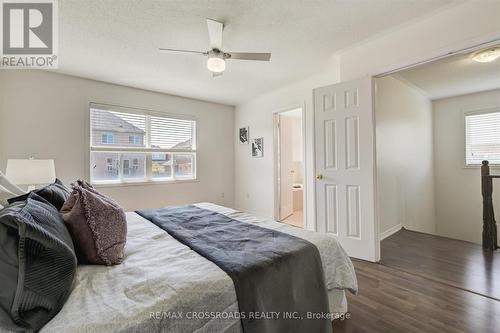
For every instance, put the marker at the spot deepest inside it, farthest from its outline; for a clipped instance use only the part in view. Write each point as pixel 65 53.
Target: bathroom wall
pixel 293 120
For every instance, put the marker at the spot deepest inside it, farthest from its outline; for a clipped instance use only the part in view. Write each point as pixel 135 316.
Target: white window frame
pixel 464 132
pixel 148 179
pixel 136 139
pixel 108 135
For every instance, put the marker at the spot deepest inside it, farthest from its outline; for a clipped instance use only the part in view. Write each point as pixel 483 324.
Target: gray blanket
pixel 37 264
pixel 278 278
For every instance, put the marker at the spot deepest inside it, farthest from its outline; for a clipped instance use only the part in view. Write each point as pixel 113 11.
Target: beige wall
pixel 458 189
pixel 254 177
pixel 45 115
pixel 422 182
pixel 449 30
pixel 405 169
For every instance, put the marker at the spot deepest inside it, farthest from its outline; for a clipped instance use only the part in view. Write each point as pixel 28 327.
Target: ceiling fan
pixel 216 62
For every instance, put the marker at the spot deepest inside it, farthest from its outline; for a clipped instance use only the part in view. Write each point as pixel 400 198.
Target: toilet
pixel 297 197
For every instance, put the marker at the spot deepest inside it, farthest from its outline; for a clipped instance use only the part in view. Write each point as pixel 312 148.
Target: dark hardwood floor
pixel 457 263
pixel 422 297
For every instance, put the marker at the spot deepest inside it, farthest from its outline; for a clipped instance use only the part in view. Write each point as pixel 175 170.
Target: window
pixel 130 145
pixel 135 139
pixel 107 138
pixel 482 137
pixel 126 167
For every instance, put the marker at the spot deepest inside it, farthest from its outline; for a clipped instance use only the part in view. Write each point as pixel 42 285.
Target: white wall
pixel 449 30
pixel 254 177
pixel 45 115
pixel 458 189
pixel 405 166
pixel 452 29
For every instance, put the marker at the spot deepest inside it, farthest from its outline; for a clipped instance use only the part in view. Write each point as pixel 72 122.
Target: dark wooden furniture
pixel 489 223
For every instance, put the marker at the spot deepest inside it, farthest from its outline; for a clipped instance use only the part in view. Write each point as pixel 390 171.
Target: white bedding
pixel 161 276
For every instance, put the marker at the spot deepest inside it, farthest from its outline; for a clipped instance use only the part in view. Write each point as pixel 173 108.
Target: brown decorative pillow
pixel 97 225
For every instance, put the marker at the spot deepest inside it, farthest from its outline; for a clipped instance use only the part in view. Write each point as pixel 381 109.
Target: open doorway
pixel 289 161
pixel 435 124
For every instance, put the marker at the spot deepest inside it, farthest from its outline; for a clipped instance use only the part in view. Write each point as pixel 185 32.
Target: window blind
pixel 135 146
pixel 110 128
pixel 171 133
pixel 482 138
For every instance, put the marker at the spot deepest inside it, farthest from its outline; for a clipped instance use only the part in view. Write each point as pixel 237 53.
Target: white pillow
pixel 4 195
pixel 5 183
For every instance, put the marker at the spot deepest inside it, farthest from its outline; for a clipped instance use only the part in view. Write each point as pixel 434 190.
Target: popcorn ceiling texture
pixel 118 41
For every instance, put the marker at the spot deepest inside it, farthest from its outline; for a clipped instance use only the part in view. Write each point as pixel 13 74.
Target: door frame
pixel 475 45
pixel 277 166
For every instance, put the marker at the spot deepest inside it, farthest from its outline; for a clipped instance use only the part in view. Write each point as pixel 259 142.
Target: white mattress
pixel 160 277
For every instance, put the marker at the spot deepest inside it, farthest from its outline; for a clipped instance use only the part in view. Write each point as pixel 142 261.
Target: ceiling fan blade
pixel 181 51
pixel 250 56
pixel 214 75
pixel 215 33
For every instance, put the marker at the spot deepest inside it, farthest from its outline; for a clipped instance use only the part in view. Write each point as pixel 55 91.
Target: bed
pixel 164 286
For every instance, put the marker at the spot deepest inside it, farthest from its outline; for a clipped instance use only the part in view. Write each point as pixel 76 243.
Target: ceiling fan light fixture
pixel 488 55
pixel 216 64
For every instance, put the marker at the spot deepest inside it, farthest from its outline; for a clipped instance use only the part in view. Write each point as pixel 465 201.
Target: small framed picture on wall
pixel 258 147
pixel 244 135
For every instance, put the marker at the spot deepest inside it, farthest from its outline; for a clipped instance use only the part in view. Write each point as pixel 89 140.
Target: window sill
pixel 492 166
pixel 145 183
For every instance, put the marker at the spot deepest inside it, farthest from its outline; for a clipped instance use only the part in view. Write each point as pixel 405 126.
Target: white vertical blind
pixel 482 138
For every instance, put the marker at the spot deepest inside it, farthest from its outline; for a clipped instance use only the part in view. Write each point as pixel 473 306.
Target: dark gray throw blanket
pixel 272 272
pixel 37 264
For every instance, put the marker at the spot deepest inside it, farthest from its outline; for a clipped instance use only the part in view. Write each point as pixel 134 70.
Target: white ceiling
pixel 117 40
pixel 453 76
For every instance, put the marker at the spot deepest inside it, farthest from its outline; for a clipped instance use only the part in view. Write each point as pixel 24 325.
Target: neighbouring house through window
pixel 482 137
pixel 135 139
pixel 107 138
pixel 135 145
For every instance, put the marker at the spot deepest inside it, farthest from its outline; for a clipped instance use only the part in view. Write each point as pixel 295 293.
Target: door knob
pixel 320 176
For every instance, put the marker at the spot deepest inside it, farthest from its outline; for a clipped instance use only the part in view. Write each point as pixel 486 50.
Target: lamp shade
pixel 31 171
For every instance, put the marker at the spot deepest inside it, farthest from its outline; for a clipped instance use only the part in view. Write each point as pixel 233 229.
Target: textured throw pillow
pixel 97 225
pixel 37 264
pixel 55 193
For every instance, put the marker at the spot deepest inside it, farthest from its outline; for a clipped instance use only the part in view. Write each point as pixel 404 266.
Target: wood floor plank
pixel 420 290
pixel 458 263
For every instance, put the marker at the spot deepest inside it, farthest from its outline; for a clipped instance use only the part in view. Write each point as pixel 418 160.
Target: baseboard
pixel 390 231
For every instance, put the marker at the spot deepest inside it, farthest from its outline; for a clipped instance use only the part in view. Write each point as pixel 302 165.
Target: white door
pixel 345 166
pixel 286 167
